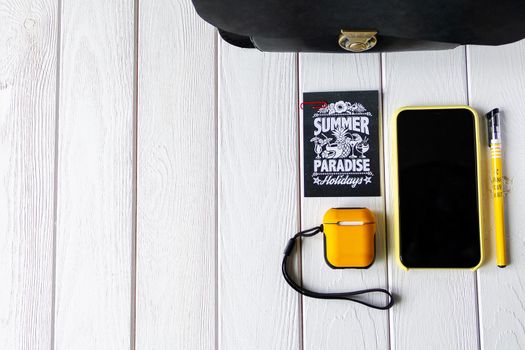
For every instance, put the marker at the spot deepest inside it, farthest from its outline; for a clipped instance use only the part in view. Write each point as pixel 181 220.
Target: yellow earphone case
pixel 349 237
pixel 349 242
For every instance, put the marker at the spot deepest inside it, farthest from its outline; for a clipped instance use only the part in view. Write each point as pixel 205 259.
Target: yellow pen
pixel 497 185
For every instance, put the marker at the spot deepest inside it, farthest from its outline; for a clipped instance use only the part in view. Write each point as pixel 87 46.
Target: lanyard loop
pixel 341 296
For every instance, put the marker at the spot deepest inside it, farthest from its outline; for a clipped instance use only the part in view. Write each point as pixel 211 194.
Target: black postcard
pixel 341 144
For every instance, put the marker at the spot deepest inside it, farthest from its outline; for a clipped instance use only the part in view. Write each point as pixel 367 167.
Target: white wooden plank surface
pixel 94 179
pixel 437 308
pixel 258 198
pixel 176 209
pixel 28 34
pixel 197 290
pixel 497 79
pixel 336 324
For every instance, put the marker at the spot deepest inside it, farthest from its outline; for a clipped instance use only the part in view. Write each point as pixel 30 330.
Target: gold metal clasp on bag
pixel 357 41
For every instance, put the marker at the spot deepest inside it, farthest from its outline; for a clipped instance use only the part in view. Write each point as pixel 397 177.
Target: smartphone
pixel 437 186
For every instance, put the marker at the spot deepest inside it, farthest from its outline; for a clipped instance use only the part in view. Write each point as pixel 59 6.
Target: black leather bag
pixel 364 25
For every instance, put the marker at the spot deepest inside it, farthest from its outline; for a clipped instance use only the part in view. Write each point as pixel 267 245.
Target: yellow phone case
pixel 394 172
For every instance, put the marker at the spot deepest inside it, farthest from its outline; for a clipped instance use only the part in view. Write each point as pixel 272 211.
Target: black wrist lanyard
pixel 342 296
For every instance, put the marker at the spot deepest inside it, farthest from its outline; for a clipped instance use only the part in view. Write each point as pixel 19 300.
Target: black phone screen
pixel 437 184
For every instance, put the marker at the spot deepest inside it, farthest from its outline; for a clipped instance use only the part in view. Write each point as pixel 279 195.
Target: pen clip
pixel 493 125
